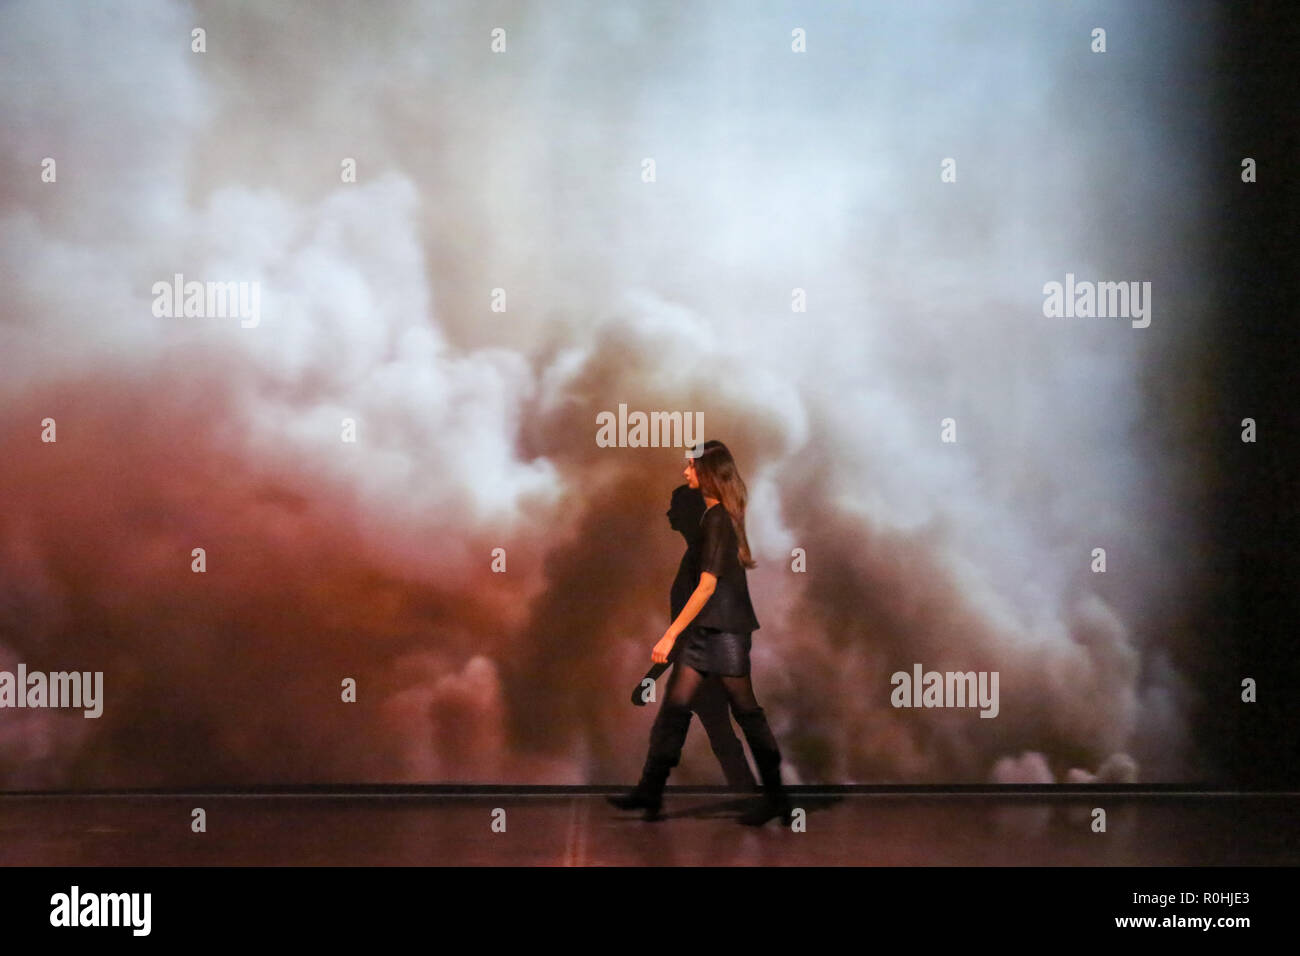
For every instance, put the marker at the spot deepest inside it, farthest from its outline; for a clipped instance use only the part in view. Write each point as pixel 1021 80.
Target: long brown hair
pixel 720 478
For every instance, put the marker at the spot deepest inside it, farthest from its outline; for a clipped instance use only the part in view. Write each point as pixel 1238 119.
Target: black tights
pixel 686 680
pixel 668 735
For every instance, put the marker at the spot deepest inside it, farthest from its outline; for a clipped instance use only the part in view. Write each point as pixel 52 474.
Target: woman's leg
pixel 667 737
pixel 752 719
pixel 711 708
pixel 762 743
pixel 740 691
pixel 682 685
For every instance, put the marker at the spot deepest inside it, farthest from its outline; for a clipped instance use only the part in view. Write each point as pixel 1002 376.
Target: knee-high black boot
pixel 767 755
pixel 667 737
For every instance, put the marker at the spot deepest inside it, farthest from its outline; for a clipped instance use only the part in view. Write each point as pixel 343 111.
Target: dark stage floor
pixel 580 829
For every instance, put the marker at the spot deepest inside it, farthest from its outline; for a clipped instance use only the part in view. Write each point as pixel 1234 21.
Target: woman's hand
pixel 665 646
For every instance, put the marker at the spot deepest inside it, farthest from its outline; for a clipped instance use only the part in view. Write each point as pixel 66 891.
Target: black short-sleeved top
pixel 688 578
pixel 729 608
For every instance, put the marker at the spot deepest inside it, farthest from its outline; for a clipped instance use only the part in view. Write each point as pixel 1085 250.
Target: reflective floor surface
pixel 581 829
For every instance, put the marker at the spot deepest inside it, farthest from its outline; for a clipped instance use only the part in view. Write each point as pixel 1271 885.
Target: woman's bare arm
pixel 699 598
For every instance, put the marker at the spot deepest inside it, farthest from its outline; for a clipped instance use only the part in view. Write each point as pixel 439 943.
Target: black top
pixel 688 577
pixel 684 516
pixel 729 608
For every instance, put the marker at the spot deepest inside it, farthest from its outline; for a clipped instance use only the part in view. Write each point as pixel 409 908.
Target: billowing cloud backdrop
pixel 522 171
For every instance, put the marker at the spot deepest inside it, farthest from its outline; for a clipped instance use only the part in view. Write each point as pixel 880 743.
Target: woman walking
pixel 719 644
pixel 710 704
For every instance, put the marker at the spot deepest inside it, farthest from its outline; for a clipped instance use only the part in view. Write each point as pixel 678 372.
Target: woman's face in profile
pixel 689 473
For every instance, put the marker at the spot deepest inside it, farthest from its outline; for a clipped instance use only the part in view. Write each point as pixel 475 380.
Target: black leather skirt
pixel 715 652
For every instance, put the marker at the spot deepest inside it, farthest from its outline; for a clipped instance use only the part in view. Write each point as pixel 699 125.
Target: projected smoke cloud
pixel 839 249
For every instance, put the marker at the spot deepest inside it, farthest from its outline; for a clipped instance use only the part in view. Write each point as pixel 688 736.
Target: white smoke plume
pixel 522 171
